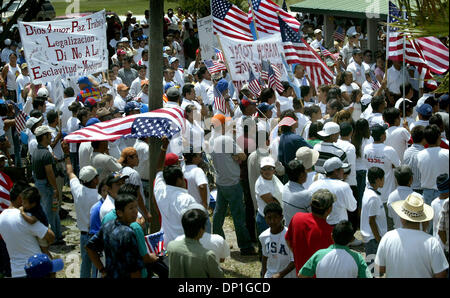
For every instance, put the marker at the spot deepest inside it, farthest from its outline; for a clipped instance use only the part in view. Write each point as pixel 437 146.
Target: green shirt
pixel 313 142
pixel 336 261
pixel 189 259
pixel 140 237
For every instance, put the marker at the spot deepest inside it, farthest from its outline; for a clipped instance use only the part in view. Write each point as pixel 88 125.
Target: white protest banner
pixel 66 48
pixel 242 56
pixel 207 39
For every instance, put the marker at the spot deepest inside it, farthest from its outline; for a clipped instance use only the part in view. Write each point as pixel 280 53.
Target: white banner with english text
pixel 66 48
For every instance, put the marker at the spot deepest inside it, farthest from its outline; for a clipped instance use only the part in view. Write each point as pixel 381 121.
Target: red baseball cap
pixel 287 121
pixel 171 159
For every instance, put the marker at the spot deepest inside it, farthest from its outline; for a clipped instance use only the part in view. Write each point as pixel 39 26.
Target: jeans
pixel 371 248
pixel 46 192
pixel 233 196
pixel 361 184
pixel 261 224
pixel 87 269
pixel 249 210
pixel 17 148
pixel 428 196
pixel 5 264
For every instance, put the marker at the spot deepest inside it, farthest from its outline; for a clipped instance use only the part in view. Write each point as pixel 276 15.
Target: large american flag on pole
pixel 296 50
pixel 230 21
pixel 117 128
pixel 266 17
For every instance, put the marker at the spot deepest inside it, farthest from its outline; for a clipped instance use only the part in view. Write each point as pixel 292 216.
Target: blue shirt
pixel 95 223
pixel 289 144
pixel 119 243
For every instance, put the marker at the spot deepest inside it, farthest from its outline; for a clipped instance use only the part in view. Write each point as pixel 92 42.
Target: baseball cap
pixel 245 102
pixel 32 121
pixel 172 92
pixel 122 87
pixel 442 183
pixel 330 128
pixel 267 161
pixel 114 178
pixel 166 48
pixel 42 92
pixel 356 51
pixel 40 265
pixel 219 119
pixel 23 66
pixel 88 173
pixel 317 31
pixel 192 207
pixel 89 102
pixel 173 59
pixel 129 151
pixel 334 163
pixel 171 159
pixel 168 85
pixel 41 130
pixel 377 130
pixel 399 102
pixel 307 156
pixel 84 80
pixel 132 106
pixel 366 99
pixel 264 107
pixel 124 39
pixel 92 121
pixel 287 121
pixel 222 85
pixel 322 199
pixel 425 110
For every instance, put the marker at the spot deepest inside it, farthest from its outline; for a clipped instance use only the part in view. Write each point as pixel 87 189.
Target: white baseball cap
pixel 330 128
pixel 267 161
pixel 317 31
pixel 334 163
pixel 32 121
pixel 42 92
pixel 7 42
pixel 43 129
pixel 399 102
pixel 88 173
pixel 124 39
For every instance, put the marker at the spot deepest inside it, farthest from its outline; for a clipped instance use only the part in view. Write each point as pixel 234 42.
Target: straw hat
pixel 413 209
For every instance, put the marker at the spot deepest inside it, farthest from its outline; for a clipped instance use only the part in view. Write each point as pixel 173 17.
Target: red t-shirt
pixel 307 234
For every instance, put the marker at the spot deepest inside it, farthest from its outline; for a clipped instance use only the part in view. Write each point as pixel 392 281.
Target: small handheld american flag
pixel 219 101
pixel 253 85
pixel 275 79
pixel 155 243
pixel 219 55
pixel 339 33
pixel 214 66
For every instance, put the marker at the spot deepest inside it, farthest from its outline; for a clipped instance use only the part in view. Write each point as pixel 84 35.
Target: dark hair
pixel 266 93
pixel 403 175
pixel 101 184
pixel 333 92
pixel 201 72
pixel 95 144
pixel 361 132
pixel 83 112
pixel 346 129
pixel 285 85
pixel 343 233
pixel 390 115
pixel 129 189
pixel 296 103
pixel 193 221
pixel 31 194
pixel 437 120
pixel 123 200
pixel 141 67
pixel 314 128
pixel 273 207
pixel 171 174
pixel 308 111
pixel 294 169
pixel 355 94
pixel 408 87
pixel 52 116
pixel 69 92
pixel 187 88
pixel 431 101
pixel 418 133
pixel 17 189
pixel 336 104
pixel 377 102
pixel 38 102
pixel 304 90
pixel 374 173
pixel 432 134
pixel 74 107
pixel 36 114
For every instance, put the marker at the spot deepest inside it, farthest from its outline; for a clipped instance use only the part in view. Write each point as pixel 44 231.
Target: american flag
pixel 219 55
pixel 116 128
pixel 284 6
pixel 155 243
pixel 375 84
pixel 325 52
pixel 275 79
pixel 297 50
pixel 20 121
pixel 265 65
pixel 229 20
pixel 5 186
pixel 339 33
pixel 219 101
pixel 214 66
pixel 144 127
pixel 253 85
pixel 266 17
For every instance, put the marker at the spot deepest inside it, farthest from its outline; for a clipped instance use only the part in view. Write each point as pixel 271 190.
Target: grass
pixel 121 7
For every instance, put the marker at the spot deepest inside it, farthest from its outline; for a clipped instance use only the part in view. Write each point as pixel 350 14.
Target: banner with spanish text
pixel 66 48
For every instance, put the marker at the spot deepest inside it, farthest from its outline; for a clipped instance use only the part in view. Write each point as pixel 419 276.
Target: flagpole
pixel 387 44
pixel 254 19
pixel 403 67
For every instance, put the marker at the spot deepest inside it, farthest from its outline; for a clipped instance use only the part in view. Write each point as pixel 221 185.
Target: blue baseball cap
pixel 40 265
pixel 425 110
pixel 84 80
pixel 168 85
pixel 264 107
pixel 132 106
pixel 222 85
pixel 92 121
pixel 442 183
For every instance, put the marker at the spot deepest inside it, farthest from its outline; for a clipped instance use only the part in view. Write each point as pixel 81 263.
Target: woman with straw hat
pixel 409 251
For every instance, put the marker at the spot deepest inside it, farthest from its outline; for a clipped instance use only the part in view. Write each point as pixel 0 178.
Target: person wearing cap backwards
pixel 222 87
pixel 309 232
pixel 358 67
pixel 409 252
pixel 85 195
pixel 345 201
pixel 44 170
pixel 424 112
pixel 87 90
pixel 9 48
pixel 328 149
pixel 318 40
pixel 135 87
pixel 432 162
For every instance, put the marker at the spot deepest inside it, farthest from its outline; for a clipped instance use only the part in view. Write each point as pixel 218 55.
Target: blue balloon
pixel 24 138
pixel 144 108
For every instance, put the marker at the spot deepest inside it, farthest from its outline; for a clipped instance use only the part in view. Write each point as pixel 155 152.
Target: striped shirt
pixel 5 187
pixel 410 159
pixel 327 151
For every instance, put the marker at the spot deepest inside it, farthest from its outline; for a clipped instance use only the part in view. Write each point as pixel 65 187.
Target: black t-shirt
pixel 39 213
pixel 40 159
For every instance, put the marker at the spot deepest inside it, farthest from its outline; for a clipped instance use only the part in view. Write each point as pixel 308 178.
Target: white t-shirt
pixel 214 242
pixel 350 151
pixel 372 206
pixel 84 153
pixel 119 102
pixel 384 157
pixel 104 164
pixel 107 206
pixel 358 71
pixel 263 186
pixel 349 89
pixel 133 178
pixel 196 177
pixel 398 137
pixel 360 161
pixel 408 253
pixel 423 123
pixel 437 207
pixel 344 198
pixel 432 162
pixel 278 253
pixel 142 149
pixel 84 198
pixel 285 103
pixel 20 239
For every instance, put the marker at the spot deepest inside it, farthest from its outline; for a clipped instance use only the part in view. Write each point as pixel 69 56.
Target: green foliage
pixel 203 8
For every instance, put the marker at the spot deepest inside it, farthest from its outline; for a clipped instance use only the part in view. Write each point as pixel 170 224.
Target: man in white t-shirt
pixel 345 201
pixel 358 67
pixel 104 163
pixel 409 252
pixel 20 236
pixel 285 98
pixel 396 136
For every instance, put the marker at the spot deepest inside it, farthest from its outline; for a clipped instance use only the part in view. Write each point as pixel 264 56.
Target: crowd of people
pixel 299 173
